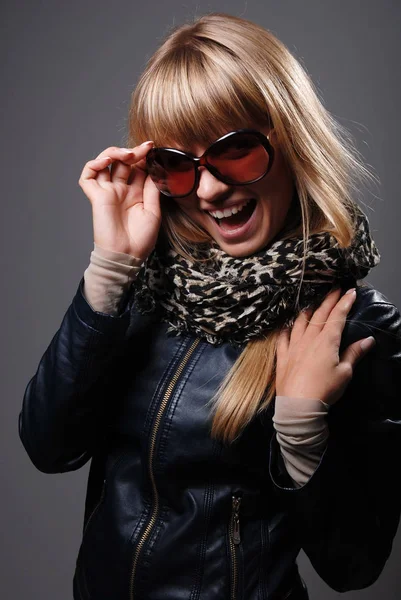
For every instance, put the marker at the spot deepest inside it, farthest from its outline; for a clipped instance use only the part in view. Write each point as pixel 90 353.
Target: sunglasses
pixel 240 157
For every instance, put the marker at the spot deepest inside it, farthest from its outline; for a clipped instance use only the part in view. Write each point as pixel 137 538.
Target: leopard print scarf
pixel 228 299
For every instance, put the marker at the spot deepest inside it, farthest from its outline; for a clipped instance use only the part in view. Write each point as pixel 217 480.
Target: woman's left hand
pixel 308 361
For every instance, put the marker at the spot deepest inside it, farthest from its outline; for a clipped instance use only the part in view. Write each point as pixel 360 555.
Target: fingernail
pixel 368 342
pixel 350 291
pixel 148 142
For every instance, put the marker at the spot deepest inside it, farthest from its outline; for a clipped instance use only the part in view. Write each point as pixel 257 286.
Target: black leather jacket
pixel 171 514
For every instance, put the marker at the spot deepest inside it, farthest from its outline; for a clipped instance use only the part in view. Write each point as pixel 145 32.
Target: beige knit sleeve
pixel 108 277
pixel 302 433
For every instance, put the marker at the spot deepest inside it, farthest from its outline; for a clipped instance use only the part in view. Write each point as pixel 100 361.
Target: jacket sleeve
pixel 346 515
pixel 68 400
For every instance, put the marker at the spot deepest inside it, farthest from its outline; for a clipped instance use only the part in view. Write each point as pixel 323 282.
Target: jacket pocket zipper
pixel 234 541
pixel 97 506
pixel 113 468
pixel 81 578
pixel 167 394
pixel 90 518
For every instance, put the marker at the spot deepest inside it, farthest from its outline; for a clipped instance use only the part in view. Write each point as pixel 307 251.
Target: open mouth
pixel 238 220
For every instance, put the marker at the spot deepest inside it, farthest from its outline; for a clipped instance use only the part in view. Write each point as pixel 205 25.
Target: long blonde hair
pixel 220 73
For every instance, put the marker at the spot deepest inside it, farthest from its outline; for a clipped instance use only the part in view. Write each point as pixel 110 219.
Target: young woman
pixel 210 364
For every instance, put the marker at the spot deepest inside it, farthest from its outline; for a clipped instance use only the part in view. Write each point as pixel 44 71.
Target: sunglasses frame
pixel 202 160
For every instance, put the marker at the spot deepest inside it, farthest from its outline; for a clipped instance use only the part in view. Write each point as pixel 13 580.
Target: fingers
pixel 120 166
pixel 122 160
pixel 301 323
pixel 338 316
pixel 122 170
pixel 92 169
pixel 130 155
pixel 151 197
pixel 331 315
pixel 310 323
pixel 356 351
pixel 321 314
pixel 138 174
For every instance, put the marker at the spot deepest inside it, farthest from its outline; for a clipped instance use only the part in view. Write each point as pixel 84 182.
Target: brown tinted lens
pixel 171 172
pixel 240 158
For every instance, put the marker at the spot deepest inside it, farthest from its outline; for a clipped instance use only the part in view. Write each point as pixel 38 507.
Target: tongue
pixel 240 218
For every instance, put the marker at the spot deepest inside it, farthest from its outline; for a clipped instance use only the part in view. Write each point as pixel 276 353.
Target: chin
pixel 242 250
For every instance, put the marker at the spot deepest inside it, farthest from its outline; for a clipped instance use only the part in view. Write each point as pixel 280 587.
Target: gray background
pixel 67 72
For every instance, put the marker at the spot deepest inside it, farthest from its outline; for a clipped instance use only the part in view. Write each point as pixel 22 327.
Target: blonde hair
pixel 219 73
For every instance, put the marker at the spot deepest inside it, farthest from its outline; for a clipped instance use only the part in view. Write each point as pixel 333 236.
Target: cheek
pixel 190 208
pixel 276 193
pixel 278 184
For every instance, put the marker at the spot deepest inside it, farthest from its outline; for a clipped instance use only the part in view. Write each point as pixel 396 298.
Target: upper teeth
pixel 227 212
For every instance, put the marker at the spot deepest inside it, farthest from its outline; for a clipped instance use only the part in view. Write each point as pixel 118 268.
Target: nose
pixel 210 188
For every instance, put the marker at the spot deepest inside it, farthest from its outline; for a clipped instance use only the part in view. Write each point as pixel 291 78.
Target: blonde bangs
pixel 189 97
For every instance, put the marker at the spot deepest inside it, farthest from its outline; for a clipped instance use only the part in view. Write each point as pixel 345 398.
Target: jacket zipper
pixel 163 404
pixel 234 540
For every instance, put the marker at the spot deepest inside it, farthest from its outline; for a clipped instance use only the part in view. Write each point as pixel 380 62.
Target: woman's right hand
pixel 309 364
pixel 125 201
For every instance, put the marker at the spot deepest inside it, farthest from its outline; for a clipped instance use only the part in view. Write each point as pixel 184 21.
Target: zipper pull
pixel 236 501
